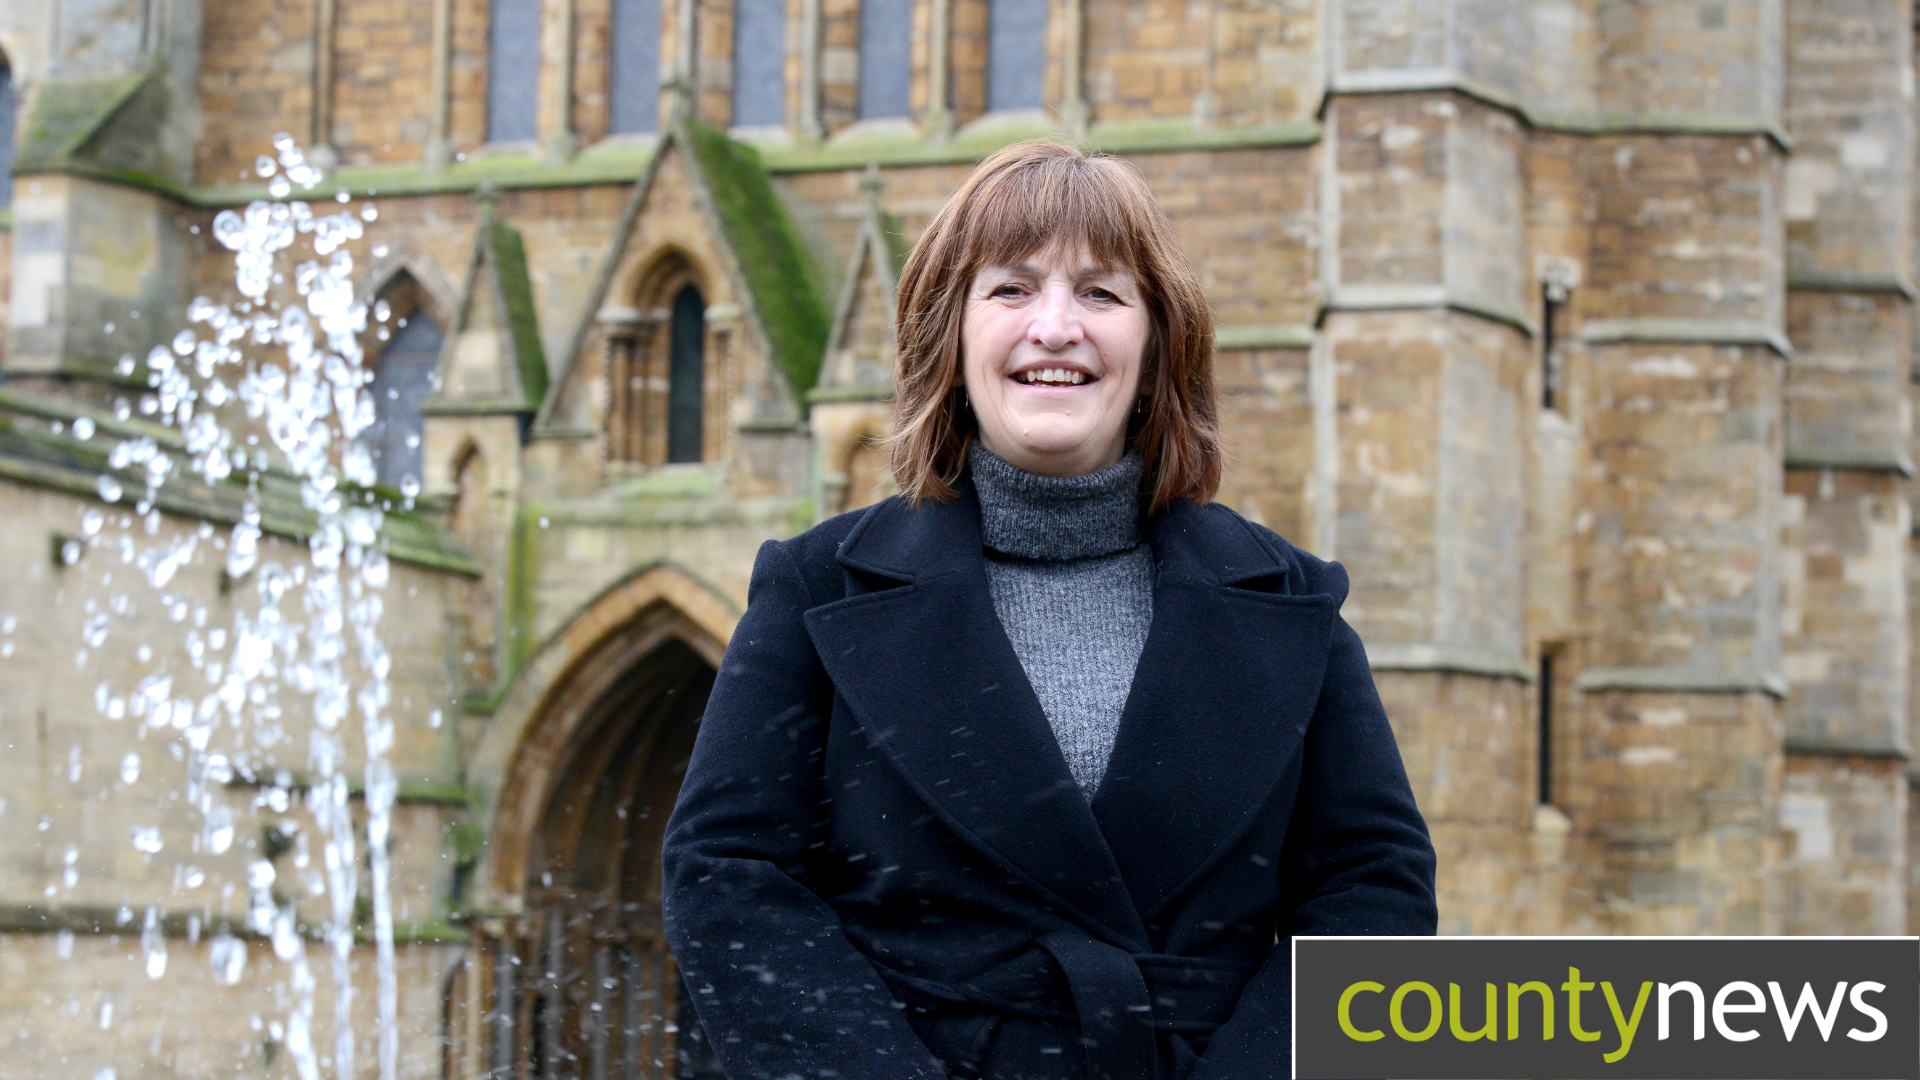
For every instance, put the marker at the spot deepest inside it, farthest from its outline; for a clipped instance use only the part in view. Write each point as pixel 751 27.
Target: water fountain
pixel 267 395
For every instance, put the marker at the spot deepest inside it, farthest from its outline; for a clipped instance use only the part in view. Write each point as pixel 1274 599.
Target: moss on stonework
pixel 523 319
pixel 38 447
pixel 67 115
pixel 894 232
pixel 778 271
pixel 523 559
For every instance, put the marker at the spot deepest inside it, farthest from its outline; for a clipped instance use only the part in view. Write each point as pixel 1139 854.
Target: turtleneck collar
pixel 1056 518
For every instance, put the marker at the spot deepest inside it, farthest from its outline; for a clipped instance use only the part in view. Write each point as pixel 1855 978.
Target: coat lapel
pixel 1220 703
pixel 1225 687
pixel 934 682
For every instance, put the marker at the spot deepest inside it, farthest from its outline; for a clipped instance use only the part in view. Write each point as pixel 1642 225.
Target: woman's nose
pixel 1056 320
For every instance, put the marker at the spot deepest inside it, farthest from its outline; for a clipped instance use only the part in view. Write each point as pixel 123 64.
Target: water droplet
pixel 265 166
pixel 286 941
pixel 83 429
pixel 193 878
pixel 219 830
pixel 228 955
pixel 130 768
pixel 63 945
pixel 153 944
pixel 110 489
pixel 147 840
pixel 260 874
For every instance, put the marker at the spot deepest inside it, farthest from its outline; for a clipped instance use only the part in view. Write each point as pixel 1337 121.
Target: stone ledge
pixel 1826 746
pixel 1896 462
pixel 825 395
pixel 92 920
pixel 1845 281
pixel 1459 659
pixel 1682 679
pixel 476 407
pixel 1263 336
pixel 1419 297
pixel 623 163
pixel 1686 332
pixel 428 792
pixel 1448 80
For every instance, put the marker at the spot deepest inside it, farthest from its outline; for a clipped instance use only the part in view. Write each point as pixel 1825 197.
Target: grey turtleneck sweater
pixel 1072 582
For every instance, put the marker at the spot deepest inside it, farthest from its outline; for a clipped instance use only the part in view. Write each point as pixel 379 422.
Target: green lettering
pixel 1546 1009
pixel 1491 1032
pixel 1433 1018
pixel 1346 1021
pixel 1626 1027
pixel 1573 986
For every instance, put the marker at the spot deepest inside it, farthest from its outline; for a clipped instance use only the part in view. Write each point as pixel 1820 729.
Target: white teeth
pixel 1053 375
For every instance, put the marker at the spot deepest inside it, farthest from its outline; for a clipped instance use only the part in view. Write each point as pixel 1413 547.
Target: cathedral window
pixel 686 376
pixel 1016 54
pixel 886 58
pixel 634 90
pixel 402 379
pixel 657 374
pixel 6 132
pixel 759 63
pixel 513 71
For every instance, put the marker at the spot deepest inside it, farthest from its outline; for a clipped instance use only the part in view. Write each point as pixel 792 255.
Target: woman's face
pixel 1051 351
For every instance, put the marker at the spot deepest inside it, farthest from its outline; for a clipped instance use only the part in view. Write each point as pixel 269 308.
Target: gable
pixel 858 363
pixel 707 200
pixel 496 362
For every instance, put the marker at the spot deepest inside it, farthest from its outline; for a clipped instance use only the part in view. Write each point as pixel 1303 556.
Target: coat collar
pixel 898 541
pixel 1225 686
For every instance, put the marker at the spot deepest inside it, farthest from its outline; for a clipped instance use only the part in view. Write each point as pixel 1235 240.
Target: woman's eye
pixel 1102 294
pixel 1008 290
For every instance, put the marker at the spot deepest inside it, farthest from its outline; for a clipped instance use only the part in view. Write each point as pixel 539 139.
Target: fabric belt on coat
pixel 1120 1000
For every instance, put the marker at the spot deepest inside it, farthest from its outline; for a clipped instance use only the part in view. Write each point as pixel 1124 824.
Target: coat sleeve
pixel 1357 856
pixel 778 987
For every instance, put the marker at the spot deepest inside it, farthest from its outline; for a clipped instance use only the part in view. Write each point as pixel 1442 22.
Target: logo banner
pixel 1513 1008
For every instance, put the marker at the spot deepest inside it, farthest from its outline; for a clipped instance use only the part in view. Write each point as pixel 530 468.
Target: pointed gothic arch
pixel 582 765
pixel 659 349
pixel 402 346
pixel 403 259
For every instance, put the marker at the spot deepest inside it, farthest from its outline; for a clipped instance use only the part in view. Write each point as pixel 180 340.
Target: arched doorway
pixel 579 984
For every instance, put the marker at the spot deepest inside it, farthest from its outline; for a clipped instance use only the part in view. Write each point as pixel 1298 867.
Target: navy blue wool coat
pixel 879 867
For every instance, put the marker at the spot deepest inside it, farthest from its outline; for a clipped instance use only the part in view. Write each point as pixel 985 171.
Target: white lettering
pixel 1879 1018
pixel 1721 1007
pixel 1699 1007
pixel 1790 1022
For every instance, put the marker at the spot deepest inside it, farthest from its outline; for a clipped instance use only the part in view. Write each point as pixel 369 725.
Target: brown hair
pixel 1026 198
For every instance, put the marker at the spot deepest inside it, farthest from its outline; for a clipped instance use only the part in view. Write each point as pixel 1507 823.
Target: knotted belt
pixel 1120 1000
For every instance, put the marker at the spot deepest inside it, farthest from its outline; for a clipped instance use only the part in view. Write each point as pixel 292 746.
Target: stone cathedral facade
pixel 1581 331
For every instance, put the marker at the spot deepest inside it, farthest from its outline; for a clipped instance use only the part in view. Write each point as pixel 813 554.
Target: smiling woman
pixel 1030 772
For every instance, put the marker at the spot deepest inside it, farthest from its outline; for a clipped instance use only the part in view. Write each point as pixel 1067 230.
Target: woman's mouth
pixel 1051 377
